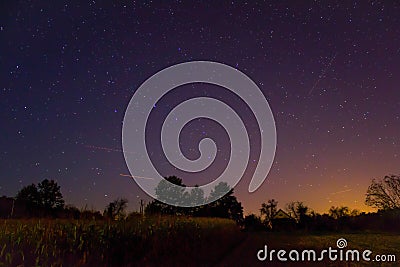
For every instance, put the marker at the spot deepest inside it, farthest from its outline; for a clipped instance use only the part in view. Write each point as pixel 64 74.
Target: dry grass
pixel 140 241
pixel 166 241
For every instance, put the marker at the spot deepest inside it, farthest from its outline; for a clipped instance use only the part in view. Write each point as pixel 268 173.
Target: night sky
pixel 330 72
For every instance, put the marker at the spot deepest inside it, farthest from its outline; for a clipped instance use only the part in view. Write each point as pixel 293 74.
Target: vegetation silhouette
pixel 46 200
pixel 299 212
pixel 45 197
pixel 225 207
pixel 381 194
pixel 384 194
pixel 268 210
pixel 116 210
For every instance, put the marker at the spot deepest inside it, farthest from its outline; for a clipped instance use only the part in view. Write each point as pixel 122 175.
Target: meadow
pixel 165 241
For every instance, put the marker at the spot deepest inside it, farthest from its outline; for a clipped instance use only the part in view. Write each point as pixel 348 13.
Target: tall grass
pixel 169 241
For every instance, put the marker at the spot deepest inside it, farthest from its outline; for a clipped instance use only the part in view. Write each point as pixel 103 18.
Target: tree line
pixel 225 207
pixel 302 218
pixel 382 194
pixel 46 199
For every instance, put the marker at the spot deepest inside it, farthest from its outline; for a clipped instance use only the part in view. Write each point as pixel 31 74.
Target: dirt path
pixel 245 254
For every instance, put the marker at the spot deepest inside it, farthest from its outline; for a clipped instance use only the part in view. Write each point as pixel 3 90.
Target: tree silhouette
pixel 298 210
pixel 29 195
pixel 384 194
pixel 355 212
pixel 269 210
pixel 196 195
pixel 219 190
pixel 226 206
pixel 339 212
pixel 116 210
pixel 169 193
pixel 175 193
pixel 46 196
pixel 50 195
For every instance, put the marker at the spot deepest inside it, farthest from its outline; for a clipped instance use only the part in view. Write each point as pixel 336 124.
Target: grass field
pixel 378 243
pixel 164 241
pixel 144 242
